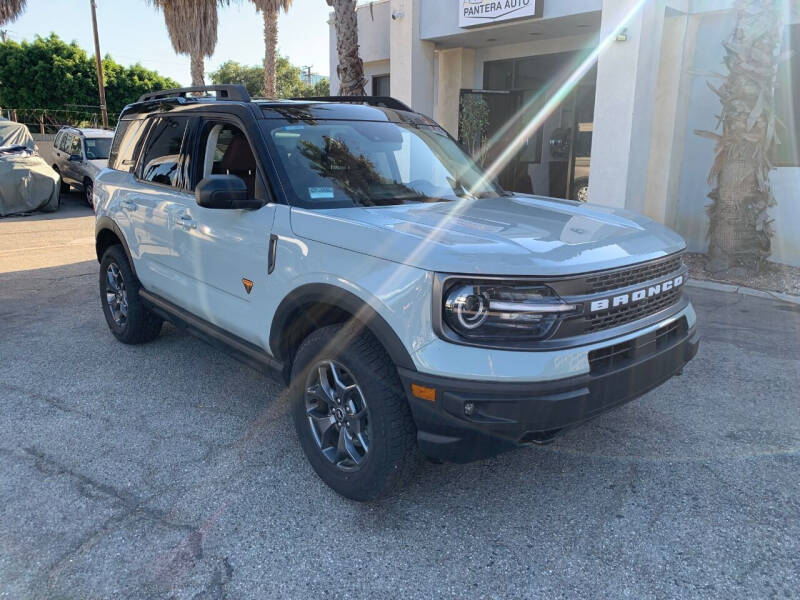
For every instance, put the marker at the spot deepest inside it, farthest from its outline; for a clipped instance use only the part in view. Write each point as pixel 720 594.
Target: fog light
pixel 469 408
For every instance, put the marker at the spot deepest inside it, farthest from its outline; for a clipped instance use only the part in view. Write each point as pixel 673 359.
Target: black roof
pixel 234 98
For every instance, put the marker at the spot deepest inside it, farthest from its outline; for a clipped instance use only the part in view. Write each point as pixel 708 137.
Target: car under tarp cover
pixel 27 183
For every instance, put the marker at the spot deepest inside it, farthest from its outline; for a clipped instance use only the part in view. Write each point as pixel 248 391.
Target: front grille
pixel 628 313
pixel 605 359
pixel 620 278
pixel 618 356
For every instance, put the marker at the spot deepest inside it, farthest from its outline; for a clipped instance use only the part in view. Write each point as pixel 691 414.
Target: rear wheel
pixel 126 315
pixel 351 414
pixel 64 185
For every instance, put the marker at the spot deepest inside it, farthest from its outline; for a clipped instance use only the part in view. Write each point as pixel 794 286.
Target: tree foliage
pixel 50 73
pixel 289 83
pixel 10 10
pixel 192 28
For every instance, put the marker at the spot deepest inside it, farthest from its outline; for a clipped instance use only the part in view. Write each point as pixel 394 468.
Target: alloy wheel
pixel 116 295
pixel 337 414
pixel 89 191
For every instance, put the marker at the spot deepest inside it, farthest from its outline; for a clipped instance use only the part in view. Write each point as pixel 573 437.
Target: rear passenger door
pixel 159 196
pixel 73 147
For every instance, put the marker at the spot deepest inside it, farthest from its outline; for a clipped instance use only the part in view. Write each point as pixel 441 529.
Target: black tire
pixel 139 324
pixel 64 186
pixel 88 191
pixel 393 455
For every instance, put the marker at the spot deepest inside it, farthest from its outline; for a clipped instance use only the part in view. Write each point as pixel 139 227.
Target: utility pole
pixel 100 85
pixel 306 71
pixel 3 34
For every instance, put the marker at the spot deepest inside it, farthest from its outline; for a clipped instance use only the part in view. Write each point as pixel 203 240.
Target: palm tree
pixel 350 68
pixel 269 9
pixel 192 27
pixel 740 231
pixel 10 10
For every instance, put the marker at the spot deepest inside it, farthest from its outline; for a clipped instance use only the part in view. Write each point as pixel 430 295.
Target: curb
pixel 745 291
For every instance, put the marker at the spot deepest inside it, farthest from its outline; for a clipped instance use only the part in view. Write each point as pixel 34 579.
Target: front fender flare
pixel 324 293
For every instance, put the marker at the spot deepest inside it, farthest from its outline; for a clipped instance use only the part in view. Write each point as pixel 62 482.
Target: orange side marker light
pixel 423 393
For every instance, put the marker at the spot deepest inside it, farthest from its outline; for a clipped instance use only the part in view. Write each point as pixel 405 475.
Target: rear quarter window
pixel 126 143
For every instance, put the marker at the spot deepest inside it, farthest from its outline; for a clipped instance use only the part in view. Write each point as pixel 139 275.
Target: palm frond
pixel 10 10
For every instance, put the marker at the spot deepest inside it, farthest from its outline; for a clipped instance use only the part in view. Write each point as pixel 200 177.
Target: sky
pixel 131 31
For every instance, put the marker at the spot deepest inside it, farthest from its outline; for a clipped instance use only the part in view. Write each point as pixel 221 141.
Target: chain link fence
pixel 47 121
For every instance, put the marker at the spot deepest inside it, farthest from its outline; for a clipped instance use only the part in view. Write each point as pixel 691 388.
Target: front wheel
pixel 351 415
pixel 88 191
pixel 126 315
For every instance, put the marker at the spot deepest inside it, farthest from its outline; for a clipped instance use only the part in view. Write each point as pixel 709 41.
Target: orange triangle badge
pixel 248 285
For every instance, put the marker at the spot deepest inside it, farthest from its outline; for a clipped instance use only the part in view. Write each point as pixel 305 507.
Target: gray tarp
pixel 27 182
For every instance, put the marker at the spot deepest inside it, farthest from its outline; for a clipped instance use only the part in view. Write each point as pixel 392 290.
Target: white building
pixel 630 121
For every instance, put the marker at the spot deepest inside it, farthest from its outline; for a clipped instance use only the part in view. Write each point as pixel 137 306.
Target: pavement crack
pixel 54 401
pixel 130 504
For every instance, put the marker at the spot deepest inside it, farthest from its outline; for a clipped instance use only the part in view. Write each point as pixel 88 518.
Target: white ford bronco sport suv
pixel 412 306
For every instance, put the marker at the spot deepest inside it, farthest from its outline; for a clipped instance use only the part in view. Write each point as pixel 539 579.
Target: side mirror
pixel 75 158
pixel 224 191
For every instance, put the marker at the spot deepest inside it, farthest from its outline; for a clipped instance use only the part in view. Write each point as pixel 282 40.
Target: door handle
pixel 187 222
pixel 128 205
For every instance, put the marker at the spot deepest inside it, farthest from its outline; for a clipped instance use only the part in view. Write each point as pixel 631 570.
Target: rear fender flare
pixel 107 224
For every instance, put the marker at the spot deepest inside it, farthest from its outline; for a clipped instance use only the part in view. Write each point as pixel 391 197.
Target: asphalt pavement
pixel 169 470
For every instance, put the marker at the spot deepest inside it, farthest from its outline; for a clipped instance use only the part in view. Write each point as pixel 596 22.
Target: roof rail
pixel 231 92
pixel 382 101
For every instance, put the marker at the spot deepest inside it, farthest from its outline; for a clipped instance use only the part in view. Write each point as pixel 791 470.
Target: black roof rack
pixel 382 101
pixel 236 93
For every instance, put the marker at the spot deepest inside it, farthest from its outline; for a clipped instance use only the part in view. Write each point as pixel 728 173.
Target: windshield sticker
pixel 293 127
pixel 320 193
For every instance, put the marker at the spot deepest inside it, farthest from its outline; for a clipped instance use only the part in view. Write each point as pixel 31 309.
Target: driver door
pixel 224 250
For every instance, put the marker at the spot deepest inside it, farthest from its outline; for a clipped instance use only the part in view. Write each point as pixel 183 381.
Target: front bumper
pixel 503 416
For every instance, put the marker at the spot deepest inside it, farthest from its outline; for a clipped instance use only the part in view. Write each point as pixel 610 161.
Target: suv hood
pixel 515 235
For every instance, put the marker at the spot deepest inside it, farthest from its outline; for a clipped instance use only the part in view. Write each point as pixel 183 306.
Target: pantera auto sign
pixel 485 12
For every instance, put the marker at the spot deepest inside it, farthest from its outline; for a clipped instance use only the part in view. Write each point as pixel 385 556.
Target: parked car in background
pixel 27 183
pixel 79 155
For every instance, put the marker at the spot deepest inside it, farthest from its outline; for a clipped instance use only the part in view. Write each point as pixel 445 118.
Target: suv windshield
pixel 97 148
pixel 333 164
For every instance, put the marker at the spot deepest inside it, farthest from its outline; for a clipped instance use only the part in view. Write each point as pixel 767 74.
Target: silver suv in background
pixel 79 155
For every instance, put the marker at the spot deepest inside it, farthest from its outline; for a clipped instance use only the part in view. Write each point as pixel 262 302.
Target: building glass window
pixel 381 86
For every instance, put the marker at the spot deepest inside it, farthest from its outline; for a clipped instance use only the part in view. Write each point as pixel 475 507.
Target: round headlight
pixel 468 306
pixel 502 312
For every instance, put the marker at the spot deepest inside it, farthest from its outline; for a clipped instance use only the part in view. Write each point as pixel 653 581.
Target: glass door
pixel 483 130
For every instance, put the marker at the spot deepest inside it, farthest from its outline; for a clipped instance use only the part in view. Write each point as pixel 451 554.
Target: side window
pixel 161 160
pixel 57 141
pixel 226 151
pixel 126 142
pixel 64 143
pixel 75 145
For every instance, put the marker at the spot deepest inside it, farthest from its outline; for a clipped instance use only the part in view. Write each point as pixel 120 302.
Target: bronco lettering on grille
pixel 637 296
